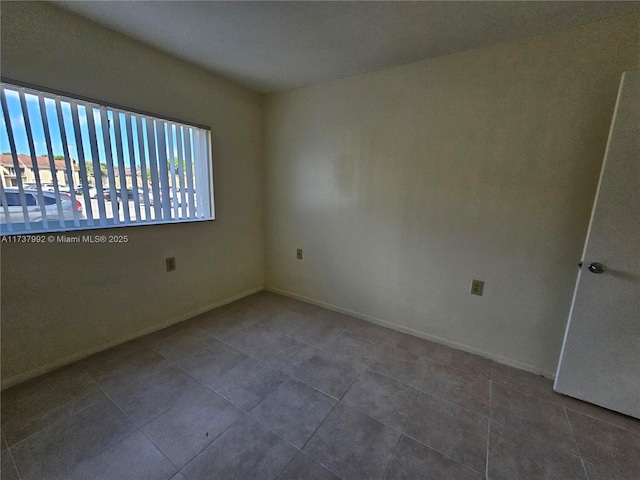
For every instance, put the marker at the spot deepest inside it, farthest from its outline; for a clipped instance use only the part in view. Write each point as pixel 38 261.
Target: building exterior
pixel 26 167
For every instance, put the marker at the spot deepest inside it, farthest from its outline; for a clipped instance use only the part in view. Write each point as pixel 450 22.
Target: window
pixel 88 165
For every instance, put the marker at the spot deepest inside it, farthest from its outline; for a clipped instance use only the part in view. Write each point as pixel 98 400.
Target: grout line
pixel 392 456
pixel 441 453
pixel 314 434
pixel 488 432
pixel 13 462
pixel 210 444
pixel 474 412
pixel 160 450
pixel 69 415
pixel 602 420
pixel 288 464
pixel 319 463
pixel 332 409
pixel 575 442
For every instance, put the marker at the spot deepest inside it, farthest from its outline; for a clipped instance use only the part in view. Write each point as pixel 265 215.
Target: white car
pixel 34 211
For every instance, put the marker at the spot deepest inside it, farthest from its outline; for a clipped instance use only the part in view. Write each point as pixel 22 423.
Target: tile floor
pixel 272 388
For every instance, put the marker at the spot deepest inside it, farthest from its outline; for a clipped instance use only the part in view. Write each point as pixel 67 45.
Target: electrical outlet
pixel 171 264
pixel 299 254
pixel 477 287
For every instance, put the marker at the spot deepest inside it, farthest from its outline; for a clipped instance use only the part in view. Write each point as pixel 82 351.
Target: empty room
pixel 320 240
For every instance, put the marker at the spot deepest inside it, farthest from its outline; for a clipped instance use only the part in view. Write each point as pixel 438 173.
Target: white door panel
pixel 600 359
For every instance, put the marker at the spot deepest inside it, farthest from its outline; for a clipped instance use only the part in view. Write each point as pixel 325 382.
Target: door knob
pixel 596 267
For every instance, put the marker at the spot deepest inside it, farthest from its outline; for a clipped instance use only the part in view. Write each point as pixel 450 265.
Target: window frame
pixel 113 163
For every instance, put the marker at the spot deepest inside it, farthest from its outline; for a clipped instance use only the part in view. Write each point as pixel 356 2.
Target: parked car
pixel 178 196
pixel 81 188
pixel 34 210
pixel 141 196
pixel 120 193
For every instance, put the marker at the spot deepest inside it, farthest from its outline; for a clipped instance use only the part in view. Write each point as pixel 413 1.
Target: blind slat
pixel 67 160
pixel 163 171
pixel 183 201
pixel 95 160
pixel 122 174
pixel 153 166
pixel 163 164
pixel 54 177
pixel 193 209
pixel 34 158
pixel 132 166
pixel 84 181
pixel 143 168
pixel 106 140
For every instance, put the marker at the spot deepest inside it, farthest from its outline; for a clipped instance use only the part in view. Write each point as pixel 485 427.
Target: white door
pixel 600 359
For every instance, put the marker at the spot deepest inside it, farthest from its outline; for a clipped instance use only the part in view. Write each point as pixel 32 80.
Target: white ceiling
pixel 270 46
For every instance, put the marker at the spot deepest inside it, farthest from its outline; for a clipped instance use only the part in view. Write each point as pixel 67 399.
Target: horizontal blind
pixel 73 164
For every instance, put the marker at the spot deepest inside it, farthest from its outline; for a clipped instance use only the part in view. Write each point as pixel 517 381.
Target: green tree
pixel 103 169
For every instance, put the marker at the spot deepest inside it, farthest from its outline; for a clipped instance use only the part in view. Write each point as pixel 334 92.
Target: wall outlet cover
pixel 477 287
pixel 171 264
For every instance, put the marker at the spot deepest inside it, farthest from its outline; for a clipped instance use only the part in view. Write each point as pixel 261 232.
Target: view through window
pixel 72 164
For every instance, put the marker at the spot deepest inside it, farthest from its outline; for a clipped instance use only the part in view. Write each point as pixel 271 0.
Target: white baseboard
pixel 500 359
pixel 48 367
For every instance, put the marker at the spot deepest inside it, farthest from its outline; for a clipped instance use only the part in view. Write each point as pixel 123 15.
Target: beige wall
pixel 403 185
pixel 61 301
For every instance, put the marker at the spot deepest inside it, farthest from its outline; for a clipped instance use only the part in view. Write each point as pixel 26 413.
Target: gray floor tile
pixel 533 416
pixel 294 411
pixel 159 335
pixel 456 386
pixel 304 468
pixel 412 460
pixel 605 472
pixel 134 457
pixel 451 430
pixel 284 353
pixel 516 456
pixel 601 443
pixel 55 452
pixel 246 451
pixel 282 320
pixel 248 383
pixel 210 363
pixel 307 328
pixel 382 398
pixel 401 365
pixel 325 372
pixel 100 361
pixel 182 344
pixel 524 381
pixel 227 322
pixel 337 319
pixel 256 340
pixel 350 347
pixel 412 344
pixel 190 425
pixel 295 305
pixel 34 405
pixel 608 416
pixel 365 329
pixel 143 400
pixel 353 445
pixel 64 426
pixel 467 362
pixel 135 364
